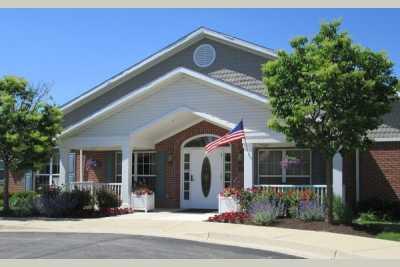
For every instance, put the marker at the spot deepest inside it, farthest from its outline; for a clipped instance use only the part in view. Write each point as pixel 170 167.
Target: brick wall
pixel 94 174
pixel 380 171
pixel 16 183
pixel 172 145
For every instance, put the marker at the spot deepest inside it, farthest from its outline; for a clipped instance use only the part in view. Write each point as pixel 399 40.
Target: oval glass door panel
pixel 206 176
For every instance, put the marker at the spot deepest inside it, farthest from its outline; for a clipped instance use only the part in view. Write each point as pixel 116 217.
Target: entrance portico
pixel 153 155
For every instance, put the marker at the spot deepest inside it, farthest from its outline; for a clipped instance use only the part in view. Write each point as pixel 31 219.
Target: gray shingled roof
pixel 239 79
pixel 389 129
pixel 391 125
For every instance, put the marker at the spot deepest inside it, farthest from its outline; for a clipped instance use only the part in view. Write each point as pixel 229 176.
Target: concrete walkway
pixel 190 226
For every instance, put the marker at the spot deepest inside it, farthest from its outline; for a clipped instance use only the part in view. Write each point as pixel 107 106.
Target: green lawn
pixel 389 230
pixel 394 236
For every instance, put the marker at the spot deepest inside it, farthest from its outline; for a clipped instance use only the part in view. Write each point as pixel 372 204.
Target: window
pixel 227 170
pixel 144 168
pixel 278 164
pixel 270 163
pixel 186 176
pixel 49 173
pixel 300 166
pixel 202 141
pixel 146 164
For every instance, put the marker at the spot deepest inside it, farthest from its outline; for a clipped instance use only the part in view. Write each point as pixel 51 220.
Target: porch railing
pixel 318 190
pixel 94 186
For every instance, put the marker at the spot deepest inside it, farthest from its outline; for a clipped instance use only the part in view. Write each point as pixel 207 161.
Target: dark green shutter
pixel 28 181
pixel 110 173
pixel 161 163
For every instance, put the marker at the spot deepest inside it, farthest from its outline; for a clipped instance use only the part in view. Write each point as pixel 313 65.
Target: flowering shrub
pixel 116 211
pixel 266 211
pixel 142 190
pixel 265 204
pixel 310 210
pixel 231 217
pixel 290 198
pixel 231 192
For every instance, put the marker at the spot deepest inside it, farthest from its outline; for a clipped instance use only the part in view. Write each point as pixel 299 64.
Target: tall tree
pixel 28 128
pixel 328 93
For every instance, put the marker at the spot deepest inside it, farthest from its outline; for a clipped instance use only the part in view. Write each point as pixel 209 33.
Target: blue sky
pixel 73 50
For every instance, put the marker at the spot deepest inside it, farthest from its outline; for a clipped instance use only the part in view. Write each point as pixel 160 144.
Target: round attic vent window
pixel 204 55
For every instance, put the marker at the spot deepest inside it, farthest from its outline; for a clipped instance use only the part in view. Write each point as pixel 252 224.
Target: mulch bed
pixel 325 227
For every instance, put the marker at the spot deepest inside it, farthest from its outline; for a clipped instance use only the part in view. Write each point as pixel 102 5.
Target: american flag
pixel 236 133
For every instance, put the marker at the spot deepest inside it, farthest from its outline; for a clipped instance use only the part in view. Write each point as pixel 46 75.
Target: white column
pixel 63 166
pixel 248 165
pixel 126 188
pixel 337 175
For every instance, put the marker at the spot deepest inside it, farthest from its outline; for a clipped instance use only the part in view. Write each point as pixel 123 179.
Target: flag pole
pixel 245 141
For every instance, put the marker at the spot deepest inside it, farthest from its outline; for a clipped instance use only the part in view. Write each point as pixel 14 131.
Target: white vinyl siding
pixel 190 93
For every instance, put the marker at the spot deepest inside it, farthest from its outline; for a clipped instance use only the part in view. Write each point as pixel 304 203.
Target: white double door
pixel 202 177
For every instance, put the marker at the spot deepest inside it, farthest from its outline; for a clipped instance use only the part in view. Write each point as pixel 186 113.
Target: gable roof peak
pixel 163 53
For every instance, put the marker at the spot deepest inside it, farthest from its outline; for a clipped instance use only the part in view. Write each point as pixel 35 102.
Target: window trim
pixel 51 174
pixel 135 174
pixel 225 170
pixel 284 175
pixel 116 175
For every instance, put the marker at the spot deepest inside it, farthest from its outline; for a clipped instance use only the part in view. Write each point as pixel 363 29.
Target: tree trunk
pixel 329 188
pixel 6 204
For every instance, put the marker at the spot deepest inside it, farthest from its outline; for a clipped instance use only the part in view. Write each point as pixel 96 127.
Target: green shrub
pixel 384 209
pixel 23 203
pixel 293 211
pixel 246 197
pixel 264 218
pixel 106 199
pixel 369 216
pixel 54 202
pixel 84 198
pixel 341 213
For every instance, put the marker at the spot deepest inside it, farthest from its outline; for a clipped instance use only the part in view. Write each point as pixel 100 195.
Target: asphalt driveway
pixel 102 246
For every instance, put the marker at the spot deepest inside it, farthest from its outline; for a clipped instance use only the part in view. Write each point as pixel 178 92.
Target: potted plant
pixel 142 198
pixel 229 200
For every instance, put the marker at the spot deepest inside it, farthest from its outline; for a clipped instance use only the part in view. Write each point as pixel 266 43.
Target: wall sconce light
pixel 169 158
pixel 240 157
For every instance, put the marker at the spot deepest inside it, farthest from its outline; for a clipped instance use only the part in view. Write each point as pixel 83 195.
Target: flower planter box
pixel 228 204
pixel 143 202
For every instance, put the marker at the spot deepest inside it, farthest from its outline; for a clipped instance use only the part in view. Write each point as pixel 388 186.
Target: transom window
pixel 278 164
pixel 202 141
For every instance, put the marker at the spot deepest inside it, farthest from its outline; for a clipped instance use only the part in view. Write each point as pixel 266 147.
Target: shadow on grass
pixel 78 217
pixel 377 227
